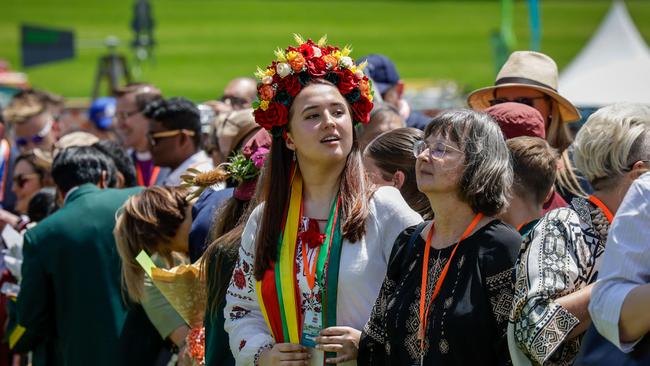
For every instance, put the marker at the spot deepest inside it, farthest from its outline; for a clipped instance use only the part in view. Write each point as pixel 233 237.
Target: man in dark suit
pixel 71 288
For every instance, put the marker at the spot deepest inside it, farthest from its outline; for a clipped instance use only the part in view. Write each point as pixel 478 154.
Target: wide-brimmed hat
pixel 528 69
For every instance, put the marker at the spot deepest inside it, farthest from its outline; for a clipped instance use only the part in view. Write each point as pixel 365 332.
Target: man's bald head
pixel 243 88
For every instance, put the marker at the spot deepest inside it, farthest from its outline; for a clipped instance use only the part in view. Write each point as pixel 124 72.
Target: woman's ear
pixel 638 169
pixel 288 140
pixel 398 179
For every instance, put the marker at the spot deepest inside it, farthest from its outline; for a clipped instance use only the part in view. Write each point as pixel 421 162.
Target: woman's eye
pixel 339 113
pixel 312 116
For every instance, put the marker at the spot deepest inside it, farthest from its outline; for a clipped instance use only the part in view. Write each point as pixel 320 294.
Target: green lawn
pixel 204 43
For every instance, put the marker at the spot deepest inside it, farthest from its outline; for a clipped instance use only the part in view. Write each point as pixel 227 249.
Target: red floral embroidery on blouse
pixel 239 279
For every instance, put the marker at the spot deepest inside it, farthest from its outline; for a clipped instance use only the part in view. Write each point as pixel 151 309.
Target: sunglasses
pixel 436 149
pixel 529 101
pixel 155 136
pixel 36 139
pixel 21 179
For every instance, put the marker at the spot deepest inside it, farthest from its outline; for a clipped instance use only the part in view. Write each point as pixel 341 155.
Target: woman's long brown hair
pixel 225 239
pixel 274 192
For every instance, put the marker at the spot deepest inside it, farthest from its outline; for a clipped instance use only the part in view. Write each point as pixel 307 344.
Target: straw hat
pixel 528 69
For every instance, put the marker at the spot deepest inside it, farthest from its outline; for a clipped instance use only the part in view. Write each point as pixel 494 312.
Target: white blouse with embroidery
pixel 362 270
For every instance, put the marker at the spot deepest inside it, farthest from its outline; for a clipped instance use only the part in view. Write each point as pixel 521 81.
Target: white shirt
pixel 626 262
pixel 362 271
pixel 199 161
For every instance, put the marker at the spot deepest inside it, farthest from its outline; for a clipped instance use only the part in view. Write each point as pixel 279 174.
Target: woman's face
pixel 439 167
pixel 320 125
pixel 180 241
pixel 26 183
pixel 375 174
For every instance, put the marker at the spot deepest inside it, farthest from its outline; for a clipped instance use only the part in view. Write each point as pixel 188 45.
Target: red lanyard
pixel 608 214
pixel 152 178
pixel 425 270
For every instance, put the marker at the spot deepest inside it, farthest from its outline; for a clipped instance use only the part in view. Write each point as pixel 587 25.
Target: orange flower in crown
pixel 293 69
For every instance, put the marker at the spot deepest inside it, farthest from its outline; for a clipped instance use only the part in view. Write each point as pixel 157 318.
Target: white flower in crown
pixel 317 52
pixel 359 73
pixel 346 62
pixel 283 69
pixel 267 80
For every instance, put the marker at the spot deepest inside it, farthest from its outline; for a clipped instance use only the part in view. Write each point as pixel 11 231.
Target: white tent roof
pixel 613 67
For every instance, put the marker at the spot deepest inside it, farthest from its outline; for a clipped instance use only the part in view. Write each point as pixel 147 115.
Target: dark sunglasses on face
pixel 529 101
pixel 21 179
pixel 36 139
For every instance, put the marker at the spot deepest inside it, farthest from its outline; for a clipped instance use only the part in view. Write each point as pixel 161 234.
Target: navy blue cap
pixel 101 112
pixel 382 71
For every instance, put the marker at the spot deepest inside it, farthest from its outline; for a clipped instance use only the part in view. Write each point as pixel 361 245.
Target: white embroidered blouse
pixel 362 270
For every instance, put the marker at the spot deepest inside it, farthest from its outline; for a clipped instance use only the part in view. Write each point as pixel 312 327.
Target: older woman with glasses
pixel 561 257
pixel 447 293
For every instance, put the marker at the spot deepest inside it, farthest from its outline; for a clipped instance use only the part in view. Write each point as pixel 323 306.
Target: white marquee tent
pixel 613 67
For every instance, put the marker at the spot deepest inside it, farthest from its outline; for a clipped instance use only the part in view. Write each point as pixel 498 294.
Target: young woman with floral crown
pixel 313 254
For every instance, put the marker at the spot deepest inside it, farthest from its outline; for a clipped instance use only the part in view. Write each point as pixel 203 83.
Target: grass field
pixel 203 43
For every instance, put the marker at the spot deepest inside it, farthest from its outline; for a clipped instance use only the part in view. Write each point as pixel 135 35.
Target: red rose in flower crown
pixel 294 67
pixel 271 115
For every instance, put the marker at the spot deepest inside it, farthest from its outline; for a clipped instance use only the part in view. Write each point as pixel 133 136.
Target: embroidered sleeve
pixel 249 335
pixel 546 271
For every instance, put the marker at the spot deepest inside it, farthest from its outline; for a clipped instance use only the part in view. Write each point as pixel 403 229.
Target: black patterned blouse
pixel 467 321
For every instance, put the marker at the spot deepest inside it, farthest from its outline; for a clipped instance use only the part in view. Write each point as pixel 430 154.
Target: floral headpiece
pixel 294 67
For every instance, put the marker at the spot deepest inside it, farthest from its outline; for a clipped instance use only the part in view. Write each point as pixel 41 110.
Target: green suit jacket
pixel 71 290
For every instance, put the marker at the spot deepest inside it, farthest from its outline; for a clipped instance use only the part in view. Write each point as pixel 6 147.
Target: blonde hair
pixel 23 107
pixel 147 221
pixel 559 137
pixel 610 141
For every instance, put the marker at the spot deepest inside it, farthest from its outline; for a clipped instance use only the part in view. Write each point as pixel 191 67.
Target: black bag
pixel 596 350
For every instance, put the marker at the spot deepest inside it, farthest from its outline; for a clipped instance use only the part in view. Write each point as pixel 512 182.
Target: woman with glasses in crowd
pixel 447 293
pixel 30 174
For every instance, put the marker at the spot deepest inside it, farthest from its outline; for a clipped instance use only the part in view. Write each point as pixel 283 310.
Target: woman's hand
pixel 285 354
pixel 342 340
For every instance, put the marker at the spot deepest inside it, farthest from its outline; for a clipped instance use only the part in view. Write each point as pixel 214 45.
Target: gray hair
pixel 612 139
pixel 487 177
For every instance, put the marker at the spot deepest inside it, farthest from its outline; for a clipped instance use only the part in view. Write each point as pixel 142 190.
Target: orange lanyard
pixel 310 273
pixel 520 226
pixel 425 268
pixel 608 214
pixel 152 178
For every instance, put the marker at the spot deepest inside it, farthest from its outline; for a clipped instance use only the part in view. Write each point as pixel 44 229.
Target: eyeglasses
pixel 529 101
pixel 155 136
pixel 437 149
pixel 123 116
pixel 36 139
pixel 21 179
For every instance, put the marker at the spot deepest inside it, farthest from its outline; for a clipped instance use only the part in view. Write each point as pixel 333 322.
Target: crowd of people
pixel 326 222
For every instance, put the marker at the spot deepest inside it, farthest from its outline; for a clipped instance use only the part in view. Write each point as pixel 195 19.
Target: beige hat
pixel 230 128
pixel 531 70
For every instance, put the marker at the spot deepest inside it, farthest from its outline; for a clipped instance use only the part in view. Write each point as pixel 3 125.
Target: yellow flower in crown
pixel 293 69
